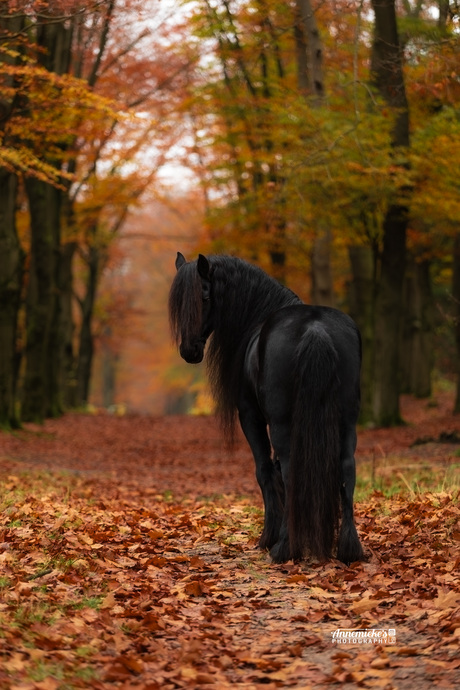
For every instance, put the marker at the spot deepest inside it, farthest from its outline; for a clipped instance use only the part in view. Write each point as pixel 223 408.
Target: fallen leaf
pixel 109 601
pixel 194 588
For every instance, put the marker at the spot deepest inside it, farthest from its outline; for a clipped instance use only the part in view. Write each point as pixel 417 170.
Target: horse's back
pixel 286 327
pixel 282 341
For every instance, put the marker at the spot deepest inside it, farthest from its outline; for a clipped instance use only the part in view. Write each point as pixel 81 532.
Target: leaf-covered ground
pixel 128 560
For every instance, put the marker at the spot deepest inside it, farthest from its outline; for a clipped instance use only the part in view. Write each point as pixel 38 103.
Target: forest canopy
pixel 319 140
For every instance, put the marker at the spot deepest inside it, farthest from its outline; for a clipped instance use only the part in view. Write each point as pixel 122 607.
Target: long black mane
pixel 243 296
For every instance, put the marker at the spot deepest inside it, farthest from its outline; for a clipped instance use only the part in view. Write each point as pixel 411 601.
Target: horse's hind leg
pixel 349 548
pixel 267 473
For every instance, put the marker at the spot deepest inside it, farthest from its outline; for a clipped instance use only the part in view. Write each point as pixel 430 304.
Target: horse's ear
pixel 180 260
pixel 203 267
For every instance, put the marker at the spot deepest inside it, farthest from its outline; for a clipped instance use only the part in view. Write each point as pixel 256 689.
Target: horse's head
pixel 190 307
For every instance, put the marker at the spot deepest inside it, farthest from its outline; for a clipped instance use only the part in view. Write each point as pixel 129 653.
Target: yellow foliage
pixel 204 403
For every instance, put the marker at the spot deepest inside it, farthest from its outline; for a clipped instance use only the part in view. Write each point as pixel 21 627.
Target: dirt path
pixel 186 455
pixel 138 569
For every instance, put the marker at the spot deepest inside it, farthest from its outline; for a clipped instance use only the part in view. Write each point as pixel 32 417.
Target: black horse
pixel 291 372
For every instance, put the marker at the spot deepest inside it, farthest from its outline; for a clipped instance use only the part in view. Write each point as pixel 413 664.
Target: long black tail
pixel 314 471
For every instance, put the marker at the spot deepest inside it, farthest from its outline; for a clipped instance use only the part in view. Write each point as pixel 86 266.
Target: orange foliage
pixel 133 300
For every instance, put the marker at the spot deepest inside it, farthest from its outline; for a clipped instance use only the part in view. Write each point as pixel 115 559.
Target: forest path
pixel 128 560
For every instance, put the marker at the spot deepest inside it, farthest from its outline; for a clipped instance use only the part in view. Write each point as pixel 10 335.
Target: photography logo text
pixel 366 636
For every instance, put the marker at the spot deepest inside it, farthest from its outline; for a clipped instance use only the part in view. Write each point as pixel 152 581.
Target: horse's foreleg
pixel 281 551
pixel 267 473
pixel 272 487
pixel 349 547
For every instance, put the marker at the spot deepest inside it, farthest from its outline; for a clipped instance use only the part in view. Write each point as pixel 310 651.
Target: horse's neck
pixel 254 308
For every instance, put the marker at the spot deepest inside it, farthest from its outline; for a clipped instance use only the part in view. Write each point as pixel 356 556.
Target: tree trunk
pixel 86 347
pixel 321 274
pixel 310 80
pixel 11 263
pixel 443 7
pixel 314 47
pixel 388 314
pixel 40 394
pixel 362 304
pixel 41 389
pixel 303 83
pixel 387 75
pixel 67 356
pixel 11 254
pixel 387 68
pixel 456 299
pixel 109 369
pixel 416 362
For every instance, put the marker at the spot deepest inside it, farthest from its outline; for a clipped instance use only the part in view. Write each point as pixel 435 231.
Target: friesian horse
pixel 291 373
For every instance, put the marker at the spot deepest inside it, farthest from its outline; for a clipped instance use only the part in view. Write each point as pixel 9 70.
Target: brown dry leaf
pixel 320 593
pixel 296 669
pixel 197 563
pixel 194 588
pixel 299 577
pixel 251 659
pixel 364 605
pixel 132 663
pixel 16 662
pixel 188 672
pixel 446 600
pixel 109 601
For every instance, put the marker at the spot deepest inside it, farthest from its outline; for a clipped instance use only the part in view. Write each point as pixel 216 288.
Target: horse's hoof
pixel 263 543
pixel 351 555
pixel 266 541
pixel 280 553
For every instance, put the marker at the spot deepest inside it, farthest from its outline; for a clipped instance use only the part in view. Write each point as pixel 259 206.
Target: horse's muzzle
pixel 193 354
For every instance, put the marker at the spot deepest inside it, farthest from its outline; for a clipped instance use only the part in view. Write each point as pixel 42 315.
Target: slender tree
pixel 322 284
pixel 41 390
pixel 417 356
pixel 11 255
pixel 456 300
pixel 388 80
pixel 11 262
